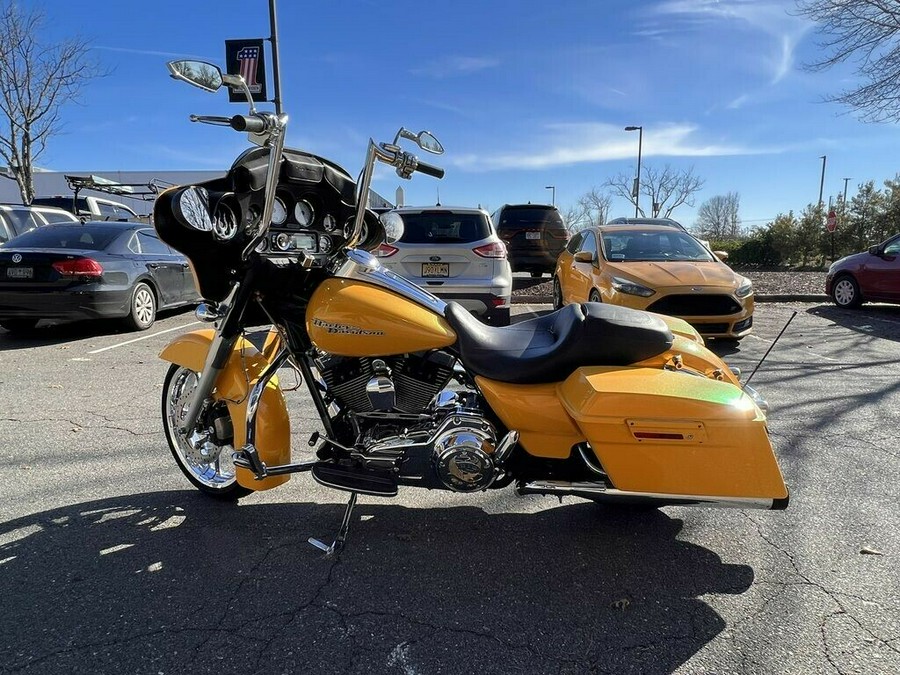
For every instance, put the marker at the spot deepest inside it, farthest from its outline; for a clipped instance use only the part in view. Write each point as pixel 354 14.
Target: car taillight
pixel 492 250
pixel 385 251
pixel 79 267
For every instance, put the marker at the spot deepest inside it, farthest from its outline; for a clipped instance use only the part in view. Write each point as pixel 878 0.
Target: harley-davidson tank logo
pixel 343 329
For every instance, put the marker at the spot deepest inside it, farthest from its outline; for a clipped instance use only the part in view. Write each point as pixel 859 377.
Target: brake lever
pixel 216 120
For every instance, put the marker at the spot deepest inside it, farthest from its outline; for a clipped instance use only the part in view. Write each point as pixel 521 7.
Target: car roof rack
pixel 147 191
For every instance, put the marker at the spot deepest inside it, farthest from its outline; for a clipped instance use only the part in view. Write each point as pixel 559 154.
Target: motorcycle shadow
pixel 173 582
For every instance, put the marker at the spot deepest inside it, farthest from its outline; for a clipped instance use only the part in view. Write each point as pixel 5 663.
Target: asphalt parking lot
pixel 110 562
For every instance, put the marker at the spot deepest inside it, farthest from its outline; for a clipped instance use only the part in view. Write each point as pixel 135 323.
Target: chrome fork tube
pixel 216 358
pixel 257 391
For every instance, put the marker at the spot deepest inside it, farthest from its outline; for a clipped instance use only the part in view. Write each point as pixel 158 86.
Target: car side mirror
pixel 584 257
pixel 721 255
pixel 875 250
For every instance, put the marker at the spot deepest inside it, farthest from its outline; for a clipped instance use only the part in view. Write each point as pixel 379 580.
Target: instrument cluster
pixel 302 221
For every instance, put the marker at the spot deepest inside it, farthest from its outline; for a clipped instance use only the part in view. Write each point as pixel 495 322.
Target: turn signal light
pixel 493 250
pixel 79 267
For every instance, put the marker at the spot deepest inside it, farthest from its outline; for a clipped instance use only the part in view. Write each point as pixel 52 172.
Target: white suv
pixel 16 219
pixel 454 253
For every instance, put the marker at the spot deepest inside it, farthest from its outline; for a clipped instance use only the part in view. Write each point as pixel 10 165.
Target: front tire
pixel 18 326
pixel 594 296
pixel 845 292
pixel 142 310
pixel 203 459
pixel 557 294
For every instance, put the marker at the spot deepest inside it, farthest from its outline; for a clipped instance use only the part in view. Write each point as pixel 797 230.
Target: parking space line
pixel 143 337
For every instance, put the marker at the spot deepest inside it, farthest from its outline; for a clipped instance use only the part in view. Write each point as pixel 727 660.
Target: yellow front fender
pixel 273 428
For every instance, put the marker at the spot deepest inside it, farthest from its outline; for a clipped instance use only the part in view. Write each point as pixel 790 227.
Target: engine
pixel 410 425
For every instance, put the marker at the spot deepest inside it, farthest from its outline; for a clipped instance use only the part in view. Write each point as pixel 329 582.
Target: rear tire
pixel 845 292
pixel 142 311
pixel 594 296
pixel 19 325
pixel 212 474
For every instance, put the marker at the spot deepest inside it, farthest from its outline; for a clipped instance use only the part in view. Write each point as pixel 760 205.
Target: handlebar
pixel 430 169
pixel 251 124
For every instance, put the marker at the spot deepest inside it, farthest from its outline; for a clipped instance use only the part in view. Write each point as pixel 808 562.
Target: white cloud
pixel 453 66
pixel 770 18
pixel 567 144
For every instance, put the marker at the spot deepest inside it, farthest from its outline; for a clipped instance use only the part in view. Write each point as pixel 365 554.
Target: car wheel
pixel 595 296
pixel 845 292
pixel 557 294
pixel 19 325
pixel 142 312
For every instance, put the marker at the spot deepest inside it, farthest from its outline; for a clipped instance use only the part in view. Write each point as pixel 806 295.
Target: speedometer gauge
pixel 279 212
pixel 303 213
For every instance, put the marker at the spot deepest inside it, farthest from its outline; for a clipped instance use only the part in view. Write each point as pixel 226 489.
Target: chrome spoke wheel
pixel 203 458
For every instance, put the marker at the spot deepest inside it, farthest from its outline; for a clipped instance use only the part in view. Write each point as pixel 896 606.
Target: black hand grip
pixel 254 125
pixel 430 169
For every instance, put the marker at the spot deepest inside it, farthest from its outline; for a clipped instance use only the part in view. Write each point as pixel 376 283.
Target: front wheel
pixel 557 294
pixel 204 453
pixel 845 292
pixel 594 297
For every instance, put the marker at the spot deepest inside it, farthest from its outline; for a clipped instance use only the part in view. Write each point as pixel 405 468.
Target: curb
pixel 548 300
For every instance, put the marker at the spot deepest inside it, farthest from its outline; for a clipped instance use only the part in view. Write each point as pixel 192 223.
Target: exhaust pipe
pixel 600 492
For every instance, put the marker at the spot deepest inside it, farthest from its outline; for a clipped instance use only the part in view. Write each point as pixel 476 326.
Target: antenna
pixel 771 347
pixel 438 188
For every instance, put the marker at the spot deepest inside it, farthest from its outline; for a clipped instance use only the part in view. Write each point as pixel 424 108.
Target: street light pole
pixel 636 193
pixel 553 194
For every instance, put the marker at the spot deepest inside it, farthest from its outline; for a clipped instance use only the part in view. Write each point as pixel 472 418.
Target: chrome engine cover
pixel 462 453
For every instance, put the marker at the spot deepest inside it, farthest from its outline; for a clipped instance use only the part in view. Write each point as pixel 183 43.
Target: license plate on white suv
pixel 435 269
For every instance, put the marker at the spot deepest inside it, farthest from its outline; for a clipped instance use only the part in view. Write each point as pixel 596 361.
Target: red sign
pixel 831 221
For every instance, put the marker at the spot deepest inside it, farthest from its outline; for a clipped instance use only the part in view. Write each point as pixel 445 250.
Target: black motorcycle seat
pixel 548 348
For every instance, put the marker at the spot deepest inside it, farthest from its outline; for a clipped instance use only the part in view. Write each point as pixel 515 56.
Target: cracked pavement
pixel 111 563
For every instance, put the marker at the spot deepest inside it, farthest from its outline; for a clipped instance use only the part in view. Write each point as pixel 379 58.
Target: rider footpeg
pixel 354 480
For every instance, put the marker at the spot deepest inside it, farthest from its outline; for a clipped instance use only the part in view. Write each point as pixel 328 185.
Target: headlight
pixel 745 289
pixel 630 287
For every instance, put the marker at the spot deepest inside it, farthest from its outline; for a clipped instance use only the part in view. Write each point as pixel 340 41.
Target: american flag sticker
pixel 247 59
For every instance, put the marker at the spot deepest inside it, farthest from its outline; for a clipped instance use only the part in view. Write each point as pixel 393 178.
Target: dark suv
pixel 534 234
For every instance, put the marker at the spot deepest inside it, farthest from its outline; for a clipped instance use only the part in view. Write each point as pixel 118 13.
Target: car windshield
pixel 669 246
pixel 20 219
pixel 444 227
pixel 529 217
pixel 84 237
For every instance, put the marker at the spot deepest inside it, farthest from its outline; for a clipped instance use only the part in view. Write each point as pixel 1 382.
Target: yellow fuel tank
pixel 353 318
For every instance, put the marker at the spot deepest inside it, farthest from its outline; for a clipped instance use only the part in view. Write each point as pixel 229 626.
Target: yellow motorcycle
pixel 593 401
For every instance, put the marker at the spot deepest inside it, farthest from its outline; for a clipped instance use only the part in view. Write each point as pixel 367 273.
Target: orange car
pixel 658 269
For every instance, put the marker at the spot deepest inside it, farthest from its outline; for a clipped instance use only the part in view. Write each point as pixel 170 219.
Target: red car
pixel 873 276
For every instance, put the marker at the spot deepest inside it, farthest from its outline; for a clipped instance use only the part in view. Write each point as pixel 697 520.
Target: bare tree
pixel 35 81
pixel 591 209
pixel 667 189
pixel 717 217
pixel 868 33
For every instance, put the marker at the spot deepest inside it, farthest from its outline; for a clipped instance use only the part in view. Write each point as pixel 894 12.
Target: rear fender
pixel 244 366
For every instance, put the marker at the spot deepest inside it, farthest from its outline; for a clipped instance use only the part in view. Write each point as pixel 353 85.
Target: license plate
pixel 19 272
pixel 435 269
pixel 532 235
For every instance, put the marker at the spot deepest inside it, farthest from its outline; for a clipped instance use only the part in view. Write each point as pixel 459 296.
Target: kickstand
pixel 338 545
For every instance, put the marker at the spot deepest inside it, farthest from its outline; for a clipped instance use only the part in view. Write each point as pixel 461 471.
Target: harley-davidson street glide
pixel 593 401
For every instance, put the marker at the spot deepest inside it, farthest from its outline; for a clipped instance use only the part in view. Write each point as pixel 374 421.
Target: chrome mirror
pixel 393 226
pixel 204 75
pixel 424 139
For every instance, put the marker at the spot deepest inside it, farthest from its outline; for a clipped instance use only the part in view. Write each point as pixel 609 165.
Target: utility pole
pixel 822 183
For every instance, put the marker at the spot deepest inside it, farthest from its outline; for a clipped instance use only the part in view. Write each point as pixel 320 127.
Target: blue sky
pixel 522 94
